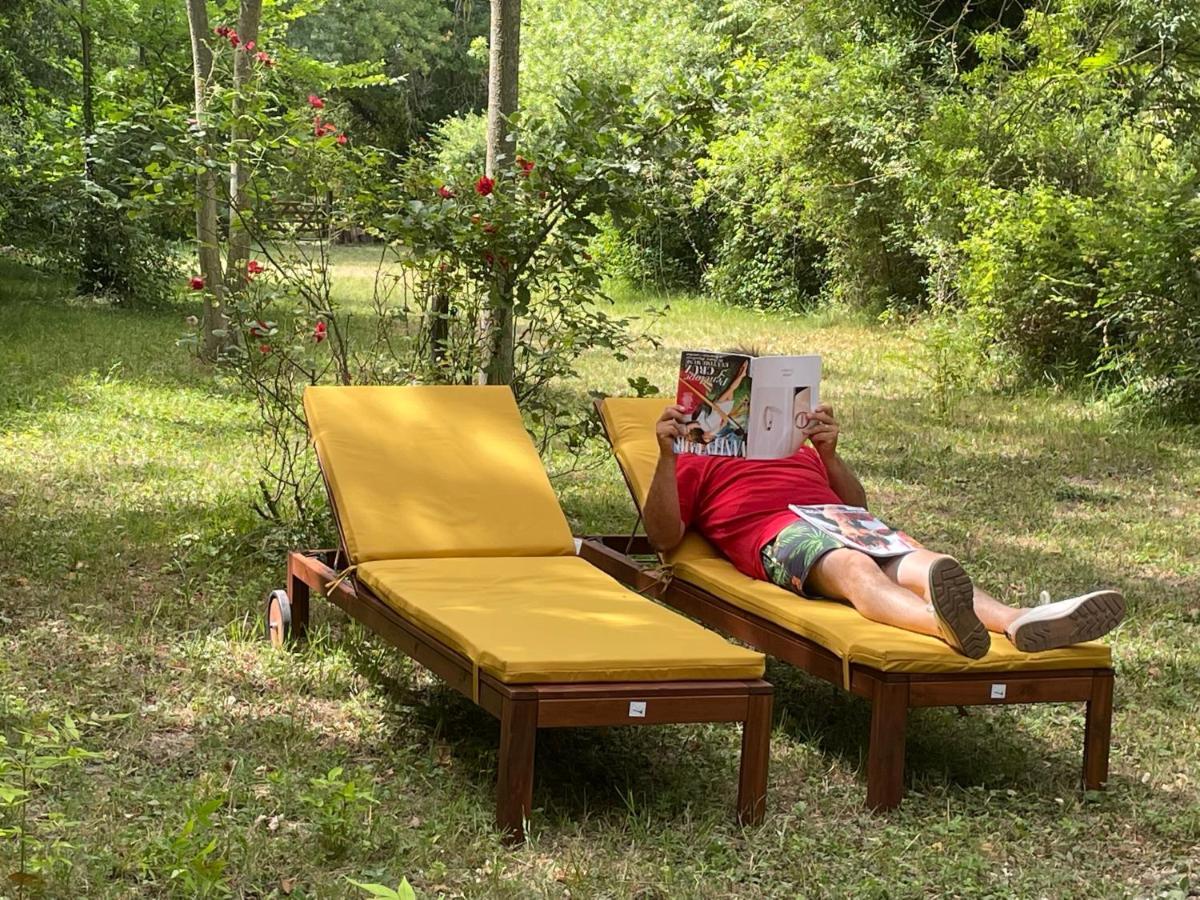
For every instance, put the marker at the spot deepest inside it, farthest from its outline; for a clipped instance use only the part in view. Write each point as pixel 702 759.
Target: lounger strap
pixel 341 576
pixel 846 671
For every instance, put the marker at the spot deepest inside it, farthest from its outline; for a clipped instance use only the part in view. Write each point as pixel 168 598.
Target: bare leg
pixel 912 572
pixel 856 578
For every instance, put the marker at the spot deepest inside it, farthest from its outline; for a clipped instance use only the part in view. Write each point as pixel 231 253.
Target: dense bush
pixel 1034 168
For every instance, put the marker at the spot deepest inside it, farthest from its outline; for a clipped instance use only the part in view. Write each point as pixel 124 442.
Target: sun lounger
pixel 455 550
pixel 892 668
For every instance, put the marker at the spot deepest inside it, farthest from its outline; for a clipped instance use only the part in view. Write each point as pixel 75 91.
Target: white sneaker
pixel 1067 622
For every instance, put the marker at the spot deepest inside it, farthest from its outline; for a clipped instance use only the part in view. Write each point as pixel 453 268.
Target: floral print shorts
pixel 790 556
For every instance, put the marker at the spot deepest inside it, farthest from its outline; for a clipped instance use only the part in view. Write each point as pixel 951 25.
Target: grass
pixel 131 579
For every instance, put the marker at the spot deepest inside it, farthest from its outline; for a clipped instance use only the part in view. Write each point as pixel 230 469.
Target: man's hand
pixel 822 430
pixel 668 427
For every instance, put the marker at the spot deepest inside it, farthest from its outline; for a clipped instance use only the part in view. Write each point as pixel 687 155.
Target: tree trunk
pixel 214 324
pixel 239 174
pixel 503 70
pixel 92 276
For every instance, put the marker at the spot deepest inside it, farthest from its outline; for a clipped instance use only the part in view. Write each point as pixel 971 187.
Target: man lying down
pixel 742 506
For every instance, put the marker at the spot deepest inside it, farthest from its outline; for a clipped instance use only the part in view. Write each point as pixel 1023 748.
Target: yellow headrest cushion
pixel 433 471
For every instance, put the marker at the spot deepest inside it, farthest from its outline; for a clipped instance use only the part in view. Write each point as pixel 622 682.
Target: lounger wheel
pixel 278 620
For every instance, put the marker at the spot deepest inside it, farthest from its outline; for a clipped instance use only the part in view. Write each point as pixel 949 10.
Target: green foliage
pixel 1034 167
pixel 475 247
pixel 63 214
pixel 403 891
pixel 666 56
pixel 35 752
pixel 191 860
pixel 336 806
pixel 422 46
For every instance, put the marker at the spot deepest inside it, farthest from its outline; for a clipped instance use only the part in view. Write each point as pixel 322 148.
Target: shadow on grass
pixel 602 773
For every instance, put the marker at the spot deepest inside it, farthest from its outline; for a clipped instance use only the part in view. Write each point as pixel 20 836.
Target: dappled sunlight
pixel 114 445
pixel 550 615
pixel 132 600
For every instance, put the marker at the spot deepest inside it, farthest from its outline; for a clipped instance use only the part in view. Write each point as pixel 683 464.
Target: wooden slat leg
pixel 756 757
pixel 514 784
pixel 885 754
pixel 1098 732
pixel 297 591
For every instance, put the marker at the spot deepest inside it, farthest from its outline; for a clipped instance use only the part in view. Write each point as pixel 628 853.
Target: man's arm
pixel 823 431
pixel 664 527
pixel 844 482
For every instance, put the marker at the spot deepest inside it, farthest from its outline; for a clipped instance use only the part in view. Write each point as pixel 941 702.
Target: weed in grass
pixel 402 892
pixel 190 861
pixel 339 808
pixel 34 750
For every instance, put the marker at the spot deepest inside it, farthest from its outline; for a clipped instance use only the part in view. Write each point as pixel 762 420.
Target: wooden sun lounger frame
pixel 891 694
pixel 524 708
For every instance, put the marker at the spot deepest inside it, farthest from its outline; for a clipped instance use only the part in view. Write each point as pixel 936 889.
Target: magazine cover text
pixel 714 391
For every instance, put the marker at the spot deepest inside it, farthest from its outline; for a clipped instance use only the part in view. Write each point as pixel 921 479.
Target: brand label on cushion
pixel 637 709
pixel 999 691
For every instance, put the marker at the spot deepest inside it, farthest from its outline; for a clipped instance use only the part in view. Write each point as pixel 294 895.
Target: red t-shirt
pixel 740 504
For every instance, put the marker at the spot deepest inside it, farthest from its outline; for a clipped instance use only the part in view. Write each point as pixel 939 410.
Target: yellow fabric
pixel 630 425
pixel 552 619
pixel 838 627
pixel 434 471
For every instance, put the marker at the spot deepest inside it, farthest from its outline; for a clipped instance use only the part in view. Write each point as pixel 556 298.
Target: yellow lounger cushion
pixel 552 619
pixel 434 471
pixel 840 628
pixel 835 626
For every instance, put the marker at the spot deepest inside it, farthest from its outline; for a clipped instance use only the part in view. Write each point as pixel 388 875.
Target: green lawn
pixel 132 573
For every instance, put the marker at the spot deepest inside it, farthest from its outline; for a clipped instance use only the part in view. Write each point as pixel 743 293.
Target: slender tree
pixel 239 172
pixel 91 275
pixel 504 60
pixel 214 322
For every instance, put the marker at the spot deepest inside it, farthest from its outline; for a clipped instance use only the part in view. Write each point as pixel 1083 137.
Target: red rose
pixel 489 259
pixel 222 30
pixel 489 228
pixel 234 40
pixel 264 348
pixel 445 193
pixel 315 102
pixel 197 283
pixel 484 185
pixel 526 165
pixel 319 332
pixel 249 46
pixel 341 139
pixel 254 267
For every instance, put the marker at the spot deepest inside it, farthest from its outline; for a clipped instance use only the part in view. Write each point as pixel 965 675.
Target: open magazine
pixel 857 528
pixel 752 406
